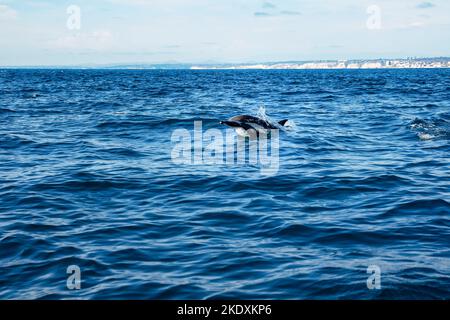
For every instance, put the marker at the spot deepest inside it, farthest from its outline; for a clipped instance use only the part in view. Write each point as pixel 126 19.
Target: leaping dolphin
pixel 244 124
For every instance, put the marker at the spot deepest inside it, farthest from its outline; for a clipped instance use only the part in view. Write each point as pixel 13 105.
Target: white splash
pixel 262 114
pixel 425 136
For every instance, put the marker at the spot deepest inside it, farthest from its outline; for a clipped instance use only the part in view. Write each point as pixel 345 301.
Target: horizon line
pixel 94 65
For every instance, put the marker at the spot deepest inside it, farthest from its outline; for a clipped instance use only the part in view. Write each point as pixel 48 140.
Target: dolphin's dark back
pixel 250 119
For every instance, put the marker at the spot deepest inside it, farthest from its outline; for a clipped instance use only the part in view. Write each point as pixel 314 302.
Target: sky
pixel 85 32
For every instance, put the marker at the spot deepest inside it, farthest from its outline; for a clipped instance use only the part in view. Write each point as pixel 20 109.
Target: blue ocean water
pixel 87 179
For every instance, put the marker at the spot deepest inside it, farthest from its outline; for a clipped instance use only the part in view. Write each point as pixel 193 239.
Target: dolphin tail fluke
pixel 283 122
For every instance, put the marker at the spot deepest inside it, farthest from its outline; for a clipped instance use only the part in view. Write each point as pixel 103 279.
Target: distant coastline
pixel 406 63
pixel 414 63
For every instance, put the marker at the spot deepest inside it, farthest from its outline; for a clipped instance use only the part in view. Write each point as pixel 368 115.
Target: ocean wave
pixel 13 141
pixel 6 111
pixel 154 124
pixel 420 207
pixel 431 129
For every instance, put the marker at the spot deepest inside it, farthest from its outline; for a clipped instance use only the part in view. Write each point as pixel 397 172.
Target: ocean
pixel 357 208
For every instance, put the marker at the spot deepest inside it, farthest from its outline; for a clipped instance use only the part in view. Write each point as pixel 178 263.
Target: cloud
pixel 268 5
pixel 7 13
pixel 281 13
pixel 133 2
pixel 269 9
pixel 290 13
pixel 38 4
pixel 425 5
pixel 160 3
pixel 172 46
pixel 96 40
pixel 410 25
pixel 416 24
pixel 134 53
pixel 262 14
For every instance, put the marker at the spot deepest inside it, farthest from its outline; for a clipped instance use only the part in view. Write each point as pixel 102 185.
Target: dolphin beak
pixel 221 122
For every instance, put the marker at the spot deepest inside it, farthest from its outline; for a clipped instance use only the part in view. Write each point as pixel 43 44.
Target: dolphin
pixel 246 125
